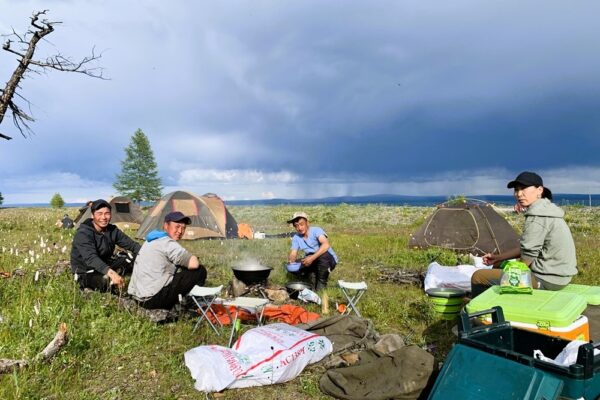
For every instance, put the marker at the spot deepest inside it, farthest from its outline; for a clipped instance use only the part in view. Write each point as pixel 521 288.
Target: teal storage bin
pixel 542 308
pixel 580 380
pixel 469 373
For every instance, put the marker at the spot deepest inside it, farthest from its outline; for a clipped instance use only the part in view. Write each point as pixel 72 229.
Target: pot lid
pixel 297 285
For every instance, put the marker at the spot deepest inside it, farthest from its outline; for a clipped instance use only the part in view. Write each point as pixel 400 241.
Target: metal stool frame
pixel 353 292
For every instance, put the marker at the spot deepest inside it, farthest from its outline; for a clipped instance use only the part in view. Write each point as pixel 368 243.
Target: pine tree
pixel 139 178
pixel 1 199
pixel 57 201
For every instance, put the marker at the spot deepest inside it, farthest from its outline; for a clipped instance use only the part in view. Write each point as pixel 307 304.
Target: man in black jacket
pixel 93 246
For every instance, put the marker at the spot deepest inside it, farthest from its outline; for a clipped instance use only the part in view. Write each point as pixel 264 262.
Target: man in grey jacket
pixel 92 253
pixel 156 281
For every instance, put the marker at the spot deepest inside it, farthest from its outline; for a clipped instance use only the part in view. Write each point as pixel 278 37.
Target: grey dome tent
pixel 210 218
pixel 472 226
pixel 125 213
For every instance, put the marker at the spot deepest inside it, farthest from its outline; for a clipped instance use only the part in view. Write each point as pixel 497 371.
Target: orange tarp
pixel 287 313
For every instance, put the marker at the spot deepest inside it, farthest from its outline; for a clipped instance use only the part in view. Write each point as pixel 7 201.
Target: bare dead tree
pixel 24 46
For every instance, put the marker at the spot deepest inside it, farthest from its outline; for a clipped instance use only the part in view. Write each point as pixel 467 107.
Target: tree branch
pixel 60 339
pixel 40 27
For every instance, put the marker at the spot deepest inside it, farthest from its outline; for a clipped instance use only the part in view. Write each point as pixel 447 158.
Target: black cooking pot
pixel 294 288
pixel 251 273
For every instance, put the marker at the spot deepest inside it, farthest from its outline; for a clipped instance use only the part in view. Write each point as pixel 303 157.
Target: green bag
pixel 516 277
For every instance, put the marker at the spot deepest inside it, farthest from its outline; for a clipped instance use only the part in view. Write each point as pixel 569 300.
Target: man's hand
pixel 115 279
pixel 490 259
pixel 306 261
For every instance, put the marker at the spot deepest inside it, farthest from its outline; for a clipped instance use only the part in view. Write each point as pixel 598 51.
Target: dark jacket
pixel 67 223
pixel 93 250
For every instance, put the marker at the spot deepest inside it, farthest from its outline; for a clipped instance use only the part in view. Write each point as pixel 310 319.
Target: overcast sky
pixel 307 99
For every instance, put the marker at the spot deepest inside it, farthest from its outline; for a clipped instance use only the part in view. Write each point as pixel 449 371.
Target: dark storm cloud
pixel 346 92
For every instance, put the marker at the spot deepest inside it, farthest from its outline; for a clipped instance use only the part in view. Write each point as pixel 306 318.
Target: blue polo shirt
pixel 311 244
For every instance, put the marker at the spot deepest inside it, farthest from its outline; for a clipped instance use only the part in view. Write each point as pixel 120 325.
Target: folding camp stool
pixel 251 304
pixel 205 297
pixel 353 292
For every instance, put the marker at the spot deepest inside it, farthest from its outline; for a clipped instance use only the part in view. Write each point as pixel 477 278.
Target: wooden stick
pixel 8 365
pixel 60 339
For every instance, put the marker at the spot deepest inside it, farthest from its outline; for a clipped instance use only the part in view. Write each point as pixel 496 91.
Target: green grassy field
pixel 113 354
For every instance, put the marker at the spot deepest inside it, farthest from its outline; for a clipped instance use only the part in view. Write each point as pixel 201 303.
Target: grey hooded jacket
pixel 547 243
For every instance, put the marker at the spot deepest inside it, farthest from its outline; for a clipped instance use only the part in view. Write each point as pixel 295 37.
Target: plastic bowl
pixel 446 301
pixel 447 309
pixel 293 267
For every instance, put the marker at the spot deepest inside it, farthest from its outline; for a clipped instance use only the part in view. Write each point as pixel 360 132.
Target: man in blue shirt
pixel 319 258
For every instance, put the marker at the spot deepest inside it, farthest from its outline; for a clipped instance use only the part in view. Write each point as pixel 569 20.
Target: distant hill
pixel 394 199
pixel 388 199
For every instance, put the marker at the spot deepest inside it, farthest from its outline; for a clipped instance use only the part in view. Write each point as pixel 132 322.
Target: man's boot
pixel 322 277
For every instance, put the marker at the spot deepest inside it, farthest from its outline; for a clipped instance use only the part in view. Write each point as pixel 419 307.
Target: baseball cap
pixel 177 216
pixel 98 204
pixel 297 214
pixel 526 178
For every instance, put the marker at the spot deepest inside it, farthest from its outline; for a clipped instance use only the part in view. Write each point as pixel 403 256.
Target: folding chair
pixel 204 298
pixel 251 304
pixel 353 292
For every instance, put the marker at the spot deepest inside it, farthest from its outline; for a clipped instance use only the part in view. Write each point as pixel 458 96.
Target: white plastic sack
pixel 568 355
pixel 262 356
pixel 459 277
pixel 307 295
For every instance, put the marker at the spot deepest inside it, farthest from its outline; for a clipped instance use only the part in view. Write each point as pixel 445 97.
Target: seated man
pixel 94 244
pixel 155 281
pixel 319 258
pixel 66 222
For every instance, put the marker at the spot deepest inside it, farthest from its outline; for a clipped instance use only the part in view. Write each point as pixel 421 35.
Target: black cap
pixel 100 203
pixel 177 216
pixel 525 179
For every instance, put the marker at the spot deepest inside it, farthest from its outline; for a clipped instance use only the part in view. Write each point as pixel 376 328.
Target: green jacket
pixel 548 244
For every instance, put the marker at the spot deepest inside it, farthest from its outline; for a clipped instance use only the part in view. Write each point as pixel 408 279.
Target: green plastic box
pixel 591 293
pixel 543 308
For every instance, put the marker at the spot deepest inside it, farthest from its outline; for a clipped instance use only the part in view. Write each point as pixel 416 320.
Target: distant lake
pixel 395 200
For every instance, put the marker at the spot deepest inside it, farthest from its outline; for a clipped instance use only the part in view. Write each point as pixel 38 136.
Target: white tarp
pixel 261 356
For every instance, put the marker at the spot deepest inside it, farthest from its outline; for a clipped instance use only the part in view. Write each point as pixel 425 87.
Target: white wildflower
pixel 37 276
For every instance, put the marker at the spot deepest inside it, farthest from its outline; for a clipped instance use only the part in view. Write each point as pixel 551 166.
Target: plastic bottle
pixel 325 304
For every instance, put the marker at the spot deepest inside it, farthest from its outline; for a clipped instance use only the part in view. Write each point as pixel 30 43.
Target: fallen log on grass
pixel 8 365
pixel 60 339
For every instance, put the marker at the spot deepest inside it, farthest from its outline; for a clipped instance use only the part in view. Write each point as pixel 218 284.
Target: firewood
pixel 7 365
pixel 60 339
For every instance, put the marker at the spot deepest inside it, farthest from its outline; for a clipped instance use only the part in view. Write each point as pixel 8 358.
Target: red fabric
pixel 287 313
